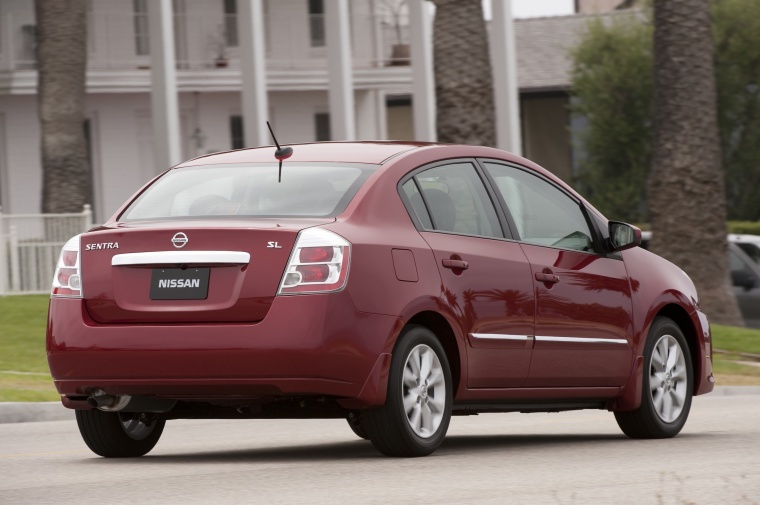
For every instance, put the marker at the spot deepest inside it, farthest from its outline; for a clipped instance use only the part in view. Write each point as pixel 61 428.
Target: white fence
pixel 29 248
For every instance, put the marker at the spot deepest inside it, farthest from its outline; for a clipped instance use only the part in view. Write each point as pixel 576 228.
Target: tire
pixel 355 423
pixel 420 378
pixel 667 388
pixel 118 435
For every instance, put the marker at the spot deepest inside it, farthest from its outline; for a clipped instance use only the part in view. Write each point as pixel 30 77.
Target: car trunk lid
pixel 205 270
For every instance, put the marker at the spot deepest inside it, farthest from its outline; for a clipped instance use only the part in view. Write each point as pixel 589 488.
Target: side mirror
pixel 744 279
pixel 623 236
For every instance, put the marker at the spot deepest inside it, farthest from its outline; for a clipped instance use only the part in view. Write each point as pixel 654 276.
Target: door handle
pixel 455 264
pixel 547 278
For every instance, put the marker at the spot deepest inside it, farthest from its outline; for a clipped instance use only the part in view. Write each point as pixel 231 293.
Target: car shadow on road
pixel 476 443
pixel 362 450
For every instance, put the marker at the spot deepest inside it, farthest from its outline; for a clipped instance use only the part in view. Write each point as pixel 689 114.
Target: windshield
pixel 250 190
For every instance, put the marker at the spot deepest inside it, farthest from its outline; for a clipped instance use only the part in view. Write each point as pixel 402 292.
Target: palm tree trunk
pixel 686 187
pixel 61 63
pixel 463 83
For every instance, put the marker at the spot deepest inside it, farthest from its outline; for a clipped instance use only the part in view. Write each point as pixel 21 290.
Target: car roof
pixel 744 238
pixel 374 153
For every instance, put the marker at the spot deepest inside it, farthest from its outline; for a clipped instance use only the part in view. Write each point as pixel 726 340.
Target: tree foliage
pixel 612 83
pixel 612 79
pixel 736 30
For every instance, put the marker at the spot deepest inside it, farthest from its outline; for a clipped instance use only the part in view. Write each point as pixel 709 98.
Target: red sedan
pixel 391 284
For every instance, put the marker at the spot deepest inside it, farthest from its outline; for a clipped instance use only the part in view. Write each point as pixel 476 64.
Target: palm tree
pixel 61 64
pixel 686 187
pixel 463 83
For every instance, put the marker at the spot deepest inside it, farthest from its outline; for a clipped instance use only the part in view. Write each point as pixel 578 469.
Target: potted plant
pixel 218 44
pixel 396 9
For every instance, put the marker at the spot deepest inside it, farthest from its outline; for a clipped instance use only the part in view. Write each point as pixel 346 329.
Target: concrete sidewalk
pixel 17 412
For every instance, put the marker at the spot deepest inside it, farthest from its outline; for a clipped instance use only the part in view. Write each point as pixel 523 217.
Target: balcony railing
pixel 209 42
pixel 29 248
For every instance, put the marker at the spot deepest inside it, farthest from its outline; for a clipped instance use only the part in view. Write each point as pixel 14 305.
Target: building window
pixel 236 132
pixel 317 23
pixel 142 40
pixel 230 23
pixel 28 46
pixel 322 126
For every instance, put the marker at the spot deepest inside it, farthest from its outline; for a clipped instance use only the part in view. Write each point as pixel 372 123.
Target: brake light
pixel 67 280
pixel 318 263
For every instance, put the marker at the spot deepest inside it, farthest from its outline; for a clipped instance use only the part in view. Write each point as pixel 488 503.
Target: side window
pixel 414 197
pixel 750 250
pixel 543 214
pixel 457 201
pixel 737 265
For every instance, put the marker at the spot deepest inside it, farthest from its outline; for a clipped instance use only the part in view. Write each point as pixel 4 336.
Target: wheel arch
pixel 444 332
pixel 630 399
pixel 683 320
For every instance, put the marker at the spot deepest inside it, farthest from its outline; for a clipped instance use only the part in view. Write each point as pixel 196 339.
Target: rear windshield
pixel 306 190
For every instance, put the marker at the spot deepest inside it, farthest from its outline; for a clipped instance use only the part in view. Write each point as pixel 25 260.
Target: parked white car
pixel 750 244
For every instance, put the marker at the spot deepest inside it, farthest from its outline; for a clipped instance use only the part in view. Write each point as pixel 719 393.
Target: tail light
pixel 318 263
pixel 67 280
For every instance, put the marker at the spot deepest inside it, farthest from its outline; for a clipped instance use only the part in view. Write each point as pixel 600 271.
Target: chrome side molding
pixel 576 340
pixel 497 336
pixel 582 340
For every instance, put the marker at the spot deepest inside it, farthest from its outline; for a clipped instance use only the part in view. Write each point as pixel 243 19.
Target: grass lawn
pixel 24 375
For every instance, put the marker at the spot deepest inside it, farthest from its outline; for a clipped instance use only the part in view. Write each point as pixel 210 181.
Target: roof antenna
pixel 282 153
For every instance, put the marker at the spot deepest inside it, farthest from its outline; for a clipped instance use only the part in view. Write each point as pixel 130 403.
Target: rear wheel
pixel 119 435
pixel 667 388
pixel 417 410
pixel 355 423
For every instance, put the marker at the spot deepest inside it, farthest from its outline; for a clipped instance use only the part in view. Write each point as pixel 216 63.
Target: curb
pixel 732 391
pixel 24 412
pixel 21 412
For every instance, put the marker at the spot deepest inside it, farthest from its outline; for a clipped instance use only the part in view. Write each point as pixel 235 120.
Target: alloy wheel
pixel 424 391
pixel 668 378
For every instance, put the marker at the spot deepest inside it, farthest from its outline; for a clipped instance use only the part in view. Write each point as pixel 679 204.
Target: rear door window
pixel 455 199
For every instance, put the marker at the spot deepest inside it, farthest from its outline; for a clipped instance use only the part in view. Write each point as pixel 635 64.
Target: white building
pixel 207 39
pixel 295 77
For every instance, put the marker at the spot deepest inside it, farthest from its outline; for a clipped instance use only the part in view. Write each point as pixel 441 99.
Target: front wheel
pixel 667 388
pixel 119 435
pixel 417 410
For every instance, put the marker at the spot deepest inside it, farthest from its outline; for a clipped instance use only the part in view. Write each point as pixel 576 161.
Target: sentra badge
pixel 101 245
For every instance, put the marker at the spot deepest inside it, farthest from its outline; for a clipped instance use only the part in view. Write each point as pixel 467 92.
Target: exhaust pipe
pixel 100 400
pixel 108 403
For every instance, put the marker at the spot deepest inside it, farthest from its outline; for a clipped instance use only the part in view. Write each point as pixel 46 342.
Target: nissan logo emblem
pixel 179 240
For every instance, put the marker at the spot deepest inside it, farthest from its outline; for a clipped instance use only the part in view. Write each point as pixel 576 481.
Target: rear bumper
pixel 306 345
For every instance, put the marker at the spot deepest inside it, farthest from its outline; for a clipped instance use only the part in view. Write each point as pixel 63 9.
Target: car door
pixel 583 331
pixel 486 278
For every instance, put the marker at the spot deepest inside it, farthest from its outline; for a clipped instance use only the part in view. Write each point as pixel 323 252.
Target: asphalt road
pixel 566 458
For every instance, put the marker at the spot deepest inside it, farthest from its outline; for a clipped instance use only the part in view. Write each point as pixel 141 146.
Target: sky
pixel 538 8
pixel 534 8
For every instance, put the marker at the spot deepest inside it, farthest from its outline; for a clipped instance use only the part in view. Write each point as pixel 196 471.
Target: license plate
pixel 179 284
